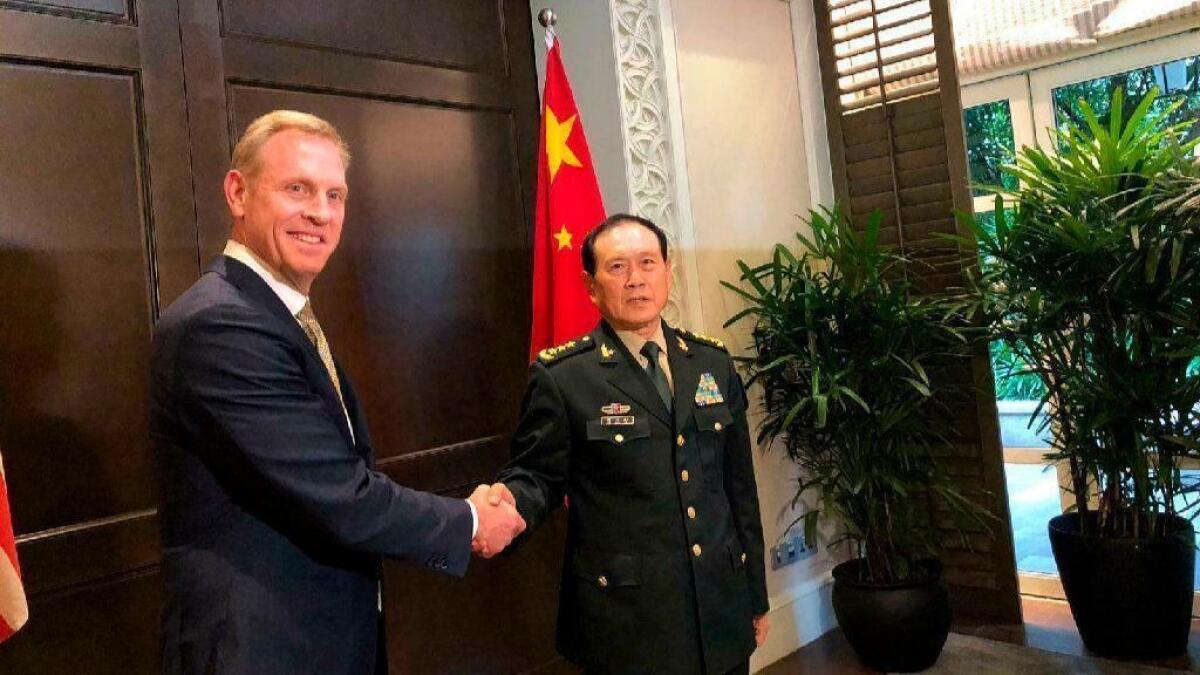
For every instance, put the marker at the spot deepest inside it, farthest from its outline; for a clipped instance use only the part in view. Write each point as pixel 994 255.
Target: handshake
pixel 499 522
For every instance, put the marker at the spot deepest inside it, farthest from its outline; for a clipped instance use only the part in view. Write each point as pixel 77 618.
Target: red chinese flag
pixel 14 610
pixel 568 205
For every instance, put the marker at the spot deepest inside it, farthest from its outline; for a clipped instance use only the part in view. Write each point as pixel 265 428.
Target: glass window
pixel 1033 499
pixel 1188 506
pixel 1176 81
pixel 990 145
pixel 1013 381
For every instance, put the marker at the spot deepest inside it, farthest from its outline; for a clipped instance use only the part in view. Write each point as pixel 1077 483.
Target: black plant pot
pixel 1131 599
pixel 898 627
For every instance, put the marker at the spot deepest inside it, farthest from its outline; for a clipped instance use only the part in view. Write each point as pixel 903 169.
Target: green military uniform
pixel 664 565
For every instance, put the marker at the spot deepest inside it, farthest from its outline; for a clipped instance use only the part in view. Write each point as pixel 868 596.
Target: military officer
pixel 642 427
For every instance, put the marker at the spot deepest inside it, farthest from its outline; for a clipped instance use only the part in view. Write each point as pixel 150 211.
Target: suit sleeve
pixel 742 491
pixel 541 450
pixel 244 387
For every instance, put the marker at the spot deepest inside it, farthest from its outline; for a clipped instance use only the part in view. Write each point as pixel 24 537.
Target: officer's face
pixel 632 279
pixel 290 211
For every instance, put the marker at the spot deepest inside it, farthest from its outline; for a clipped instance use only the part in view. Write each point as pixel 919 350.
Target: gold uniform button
pixel 743 558
pixel 717 426
pixel 696 550
pixel 603 581
pixel 679 440
pixel 691 512
pixel 619 438
pixel 683 476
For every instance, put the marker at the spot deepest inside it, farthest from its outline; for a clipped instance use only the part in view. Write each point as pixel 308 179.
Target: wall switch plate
pixel 790 550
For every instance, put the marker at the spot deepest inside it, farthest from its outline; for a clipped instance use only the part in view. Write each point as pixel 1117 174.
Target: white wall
pixel 591 63
pixel 748 167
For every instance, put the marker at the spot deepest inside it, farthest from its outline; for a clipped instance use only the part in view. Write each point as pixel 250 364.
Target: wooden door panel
pixel 97 231
pixel 74 268
pixel 463 35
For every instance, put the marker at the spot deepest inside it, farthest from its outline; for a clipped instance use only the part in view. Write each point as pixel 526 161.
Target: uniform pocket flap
pixel 713 417
pixel 737 557
pixel 609 570
pixel 619 434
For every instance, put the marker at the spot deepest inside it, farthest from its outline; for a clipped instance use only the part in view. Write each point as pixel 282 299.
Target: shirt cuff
pixel 474 518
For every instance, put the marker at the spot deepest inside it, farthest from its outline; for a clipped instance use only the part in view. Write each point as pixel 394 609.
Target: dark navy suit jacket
pixel 273 520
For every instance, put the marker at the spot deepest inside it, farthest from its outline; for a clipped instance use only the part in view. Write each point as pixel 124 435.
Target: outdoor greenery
pixel 844 352
pixel 990 145
pixel 1092 274
pixel 1178 83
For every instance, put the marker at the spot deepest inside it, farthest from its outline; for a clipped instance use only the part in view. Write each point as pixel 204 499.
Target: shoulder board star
pixel 702 339
pixel 558 352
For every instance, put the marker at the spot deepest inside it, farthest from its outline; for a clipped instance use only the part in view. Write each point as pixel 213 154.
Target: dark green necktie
pixel 650 350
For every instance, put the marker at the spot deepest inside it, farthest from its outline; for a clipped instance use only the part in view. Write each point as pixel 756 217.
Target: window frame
pixel 1043 81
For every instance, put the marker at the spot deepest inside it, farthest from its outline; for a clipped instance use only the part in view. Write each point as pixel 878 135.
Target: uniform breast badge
pixel 616 414
pixel 707 391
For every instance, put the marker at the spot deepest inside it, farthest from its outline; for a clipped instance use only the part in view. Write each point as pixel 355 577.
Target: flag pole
pixel 548 18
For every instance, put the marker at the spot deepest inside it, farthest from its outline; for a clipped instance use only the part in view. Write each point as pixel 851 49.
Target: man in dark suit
pixel 273 519
pixel 643 428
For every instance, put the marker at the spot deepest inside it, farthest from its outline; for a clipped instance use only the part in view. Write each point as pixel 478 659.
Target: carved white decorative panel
pixel 650 161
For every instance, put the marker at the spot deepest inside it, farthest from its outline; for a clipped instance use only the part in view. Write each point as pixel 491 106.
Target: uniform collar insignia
pixel 607 353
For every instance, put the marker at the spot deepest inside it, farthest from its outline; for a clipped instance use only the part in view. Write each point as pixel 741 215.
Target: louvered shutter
pixel 896 143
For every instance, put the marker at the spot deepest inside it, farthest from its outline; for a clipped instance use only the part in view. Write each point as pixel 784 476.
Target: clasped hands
pixel 499 522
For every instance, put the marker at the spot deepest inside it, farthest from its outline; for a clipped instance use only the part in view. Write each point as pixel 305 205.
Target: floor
pixel 1048 627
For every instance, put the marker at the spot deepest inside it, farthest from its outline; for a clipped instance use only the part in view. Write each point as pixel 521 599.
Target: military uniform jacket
pixel 664 565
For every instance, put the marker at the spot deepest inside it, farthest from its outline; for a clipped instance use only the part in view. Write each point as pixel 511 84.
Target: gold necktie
pixel 308 321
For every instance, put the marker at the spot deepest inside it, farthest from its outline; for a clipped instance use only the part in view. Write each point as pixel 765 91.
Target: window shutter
pixel 896 144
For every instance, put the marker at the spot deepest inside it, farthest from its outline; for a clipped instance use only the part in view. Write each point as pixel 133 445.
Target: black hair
pixel 589 242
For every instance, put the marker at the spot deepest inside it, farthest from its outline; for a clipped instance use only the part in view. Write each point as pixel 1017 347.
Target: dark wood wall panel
pixel 435 230
pixel 75 358
pixel 109 10
pixel 445 625
pixel 117 120
pixel 97 230
pixel 107 628
pixel 466 35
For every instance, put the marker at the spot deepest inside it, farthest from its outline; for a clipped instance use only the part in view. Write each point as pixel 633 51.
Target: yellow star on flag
pixel 557 150
pixel 563 237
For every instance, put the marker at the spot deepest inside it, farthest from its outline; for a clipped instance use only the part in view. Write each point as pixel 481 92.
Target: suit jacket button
pixel 696 550
pixel 603 581
pixel 679 440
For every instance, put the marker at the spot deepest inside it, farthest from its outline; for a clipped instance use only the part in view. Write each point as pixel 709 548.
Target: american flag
pixel 14 609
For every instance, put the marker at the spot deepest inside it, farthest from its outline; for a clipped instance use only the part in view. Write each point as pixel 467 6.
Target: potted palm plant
pixel 844 351
pixel 1092 275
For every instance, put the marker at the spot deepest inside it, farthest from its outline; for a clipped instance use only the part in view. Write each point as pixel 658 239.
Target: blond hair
pixel 245 153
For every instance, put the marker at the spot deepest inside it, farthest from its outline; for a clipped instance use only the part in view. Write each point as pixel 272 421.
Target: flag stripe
pixel 568 205
pixel 14 608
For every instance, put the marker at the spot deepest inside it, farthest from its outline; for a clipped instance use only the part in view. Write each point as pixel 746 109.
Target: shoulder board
pixel 577 346
pixel 702 339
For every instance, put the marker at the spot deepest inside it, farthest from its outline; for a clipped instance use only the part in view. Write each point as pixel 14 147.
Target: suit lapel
pixel 258 291
pixel 685 375
pixel 624 373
